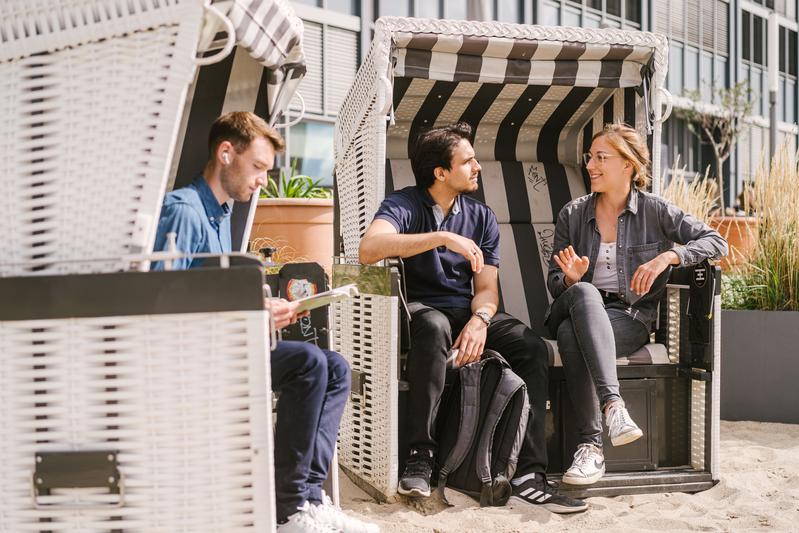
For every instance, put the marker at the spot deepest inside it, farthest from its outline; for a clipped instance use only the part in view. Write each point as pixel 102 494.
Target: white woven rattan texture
pixel 87 137
pixel 183 398
pixel 365 332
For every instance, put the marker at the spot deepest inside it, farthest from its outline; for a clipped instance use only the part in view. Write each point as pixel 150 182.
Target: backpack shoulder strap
pixel 509 384
pixel 467 428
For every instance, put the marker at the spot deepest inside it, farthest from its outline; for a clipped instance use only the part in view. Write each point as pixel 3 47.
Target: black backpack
pixel 480 429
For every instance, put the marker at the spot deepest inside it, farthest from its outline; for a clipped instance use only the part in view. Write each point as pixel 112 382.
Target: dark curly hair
pixel 433 148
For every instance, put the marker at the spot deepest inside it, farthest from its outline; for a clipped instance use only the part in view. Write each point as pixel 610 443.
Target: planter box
pixel 301 228
pixel 760 366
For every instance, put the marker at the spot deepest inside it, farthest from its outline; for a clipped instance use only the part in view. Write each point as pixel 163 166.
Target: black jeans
pixel 432 334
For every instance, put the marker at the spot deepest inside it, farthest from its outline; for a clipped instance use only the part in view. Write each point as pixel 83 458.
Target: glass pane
pixel 549 15
pixel 757 40
pixel 691 69
pixel 596 4
pixel 427 9
pixel 591 21
pixel 349 7
pixel 790 101
pixel 764 92
pixel 614 7
pixel 706 78
pixel 746 38
pixel 782 49
pixel 508 11
pixel 633 10
pixel 571 18
pixel 720 73
pixel 393 8
pixel 317 3
pixel 455 9
pixel 311 143
pixel 781 97
pixel 675 69
pixel 792 53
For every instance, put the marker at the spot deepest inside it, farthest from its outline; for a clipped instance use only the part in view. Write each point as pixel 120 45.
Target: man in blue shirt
pixel 313 383
pixel 450 245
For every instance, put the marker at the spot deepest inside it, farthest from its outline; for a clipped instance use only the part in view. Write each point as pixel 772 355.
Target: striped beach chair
pixel 534 96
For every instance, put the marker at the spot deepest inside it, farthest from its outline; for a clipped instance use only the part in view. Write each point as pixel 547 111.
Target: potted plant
pixel 760 300
pixel 295 216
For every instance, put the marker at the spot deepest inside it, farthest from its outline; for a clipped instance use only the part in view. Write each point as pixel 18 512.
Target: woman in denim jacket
pixel 614 249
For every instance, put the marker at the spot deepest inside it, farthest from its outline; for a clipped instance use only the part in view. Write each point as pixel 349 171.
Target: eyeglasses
pixel 600 157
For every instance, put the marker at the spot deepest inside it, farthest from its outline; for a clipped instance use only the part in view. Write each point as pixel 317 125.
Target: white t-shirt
pixel 605 276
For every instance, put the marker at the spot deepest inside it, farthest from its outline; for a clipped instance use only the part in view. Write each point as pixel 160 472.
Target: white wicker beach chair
pixel 535 95
pixel 129 401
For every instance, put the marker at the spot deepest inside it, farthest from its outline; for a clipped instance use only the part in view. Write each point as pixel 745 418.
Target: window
pixel 571 17
pixel 348 7
pixel 691 69
pixel 508 11
pixel 455 9
pixel 675 69
pixel 550 14
pixel 311 144
pixel 613 13
pixel 393 8
pixel 753 38
pixel 427 9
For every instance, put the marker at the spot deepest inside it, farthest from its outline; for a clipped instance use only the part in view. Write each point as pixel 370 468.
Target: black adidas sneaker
pixel 534 489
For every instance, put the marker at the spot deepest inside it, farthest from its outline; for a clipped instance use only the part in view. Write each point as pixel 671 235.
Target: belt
pixel 608 296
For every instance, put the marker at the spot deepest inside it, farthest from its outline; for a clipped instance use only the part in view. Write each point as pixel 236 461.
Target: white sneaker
pixel 304 521
pixel 588 466
pixel 332 516
pixel 621 428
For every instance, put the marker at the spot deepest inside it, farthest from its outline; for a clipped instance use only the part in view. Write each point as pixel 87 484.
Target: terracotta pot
pixel 741 234
pixel 300 228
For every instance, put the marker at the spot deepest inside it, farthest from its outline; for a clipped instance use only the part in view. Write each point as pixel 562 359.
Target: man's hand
pixel 283 311
pixel 646 274
pixel 467 248
pixel 572 265
pixel 470 342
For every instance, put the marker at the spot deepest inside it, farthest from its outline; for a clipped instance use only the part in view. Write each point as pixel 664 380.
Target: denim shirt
pixel 648 226
pixel 202 225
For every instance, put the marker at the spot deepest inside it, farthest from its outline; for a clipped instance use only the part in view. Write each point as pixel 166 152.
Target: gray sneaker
pixel 621 428
pixel 588 466
pixel 415 480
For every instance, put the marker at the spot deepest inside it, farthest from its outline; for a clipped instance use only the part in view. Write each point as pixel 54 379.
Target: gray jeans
pixel 590 338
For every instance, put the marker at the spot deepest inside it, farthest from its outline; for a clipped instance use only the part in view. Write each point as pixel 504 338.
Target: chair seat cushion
pixel 649 354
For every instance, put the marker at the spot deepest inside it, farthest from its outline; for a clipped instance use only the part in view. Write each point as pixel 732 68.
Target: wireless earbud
pixel 226 158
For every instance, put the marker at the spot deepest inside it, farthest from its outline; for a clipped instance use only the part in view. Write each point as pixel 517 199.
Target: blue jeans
pixel 590 338
pixel 314 385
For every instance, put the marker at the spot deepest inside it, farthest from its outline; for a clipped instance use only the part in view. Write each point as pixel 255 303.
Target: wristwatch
pixel 485 317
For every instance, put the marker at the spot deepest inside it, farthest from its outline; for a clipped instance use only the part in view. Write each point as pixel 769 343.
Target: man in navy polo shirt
pixel 450 245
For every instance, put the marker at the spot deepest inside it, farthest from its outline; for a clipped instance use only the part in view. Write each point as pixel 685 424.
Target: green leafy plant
pixel 295 185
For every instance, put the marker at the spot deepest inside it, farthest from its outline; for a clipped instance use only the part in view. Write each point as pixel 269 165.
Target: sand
pixel 758 491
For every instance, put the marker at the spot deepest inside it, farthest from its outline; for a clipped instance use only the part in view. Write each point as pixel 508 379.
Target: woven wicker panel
pixel 89 130
pixel 365 331
pixel 183 398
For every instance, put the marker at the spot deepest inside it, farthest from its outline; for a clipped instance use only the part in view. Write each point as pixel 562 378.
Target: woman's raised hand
pixel 572 265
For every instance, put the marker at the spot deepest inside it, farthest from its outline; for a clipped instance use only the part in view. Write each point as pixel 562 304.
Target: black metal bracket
pixel 697 374
pixel 76 470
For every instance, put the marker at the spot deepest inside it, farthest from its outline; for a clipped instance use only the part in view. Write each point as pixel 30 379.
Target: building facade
pixel 712 44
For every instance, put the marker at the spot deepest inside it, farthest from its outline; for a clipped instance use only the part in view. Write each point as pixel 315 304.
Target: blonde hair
pixel 628 142
pixel 240 128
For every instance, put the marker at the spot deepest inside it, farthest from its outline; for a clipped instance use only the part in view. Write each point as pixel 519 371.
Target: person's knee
pixel 432 326
pixel 582 292
pixel 537 348
pixel 339 369
pixel 314 360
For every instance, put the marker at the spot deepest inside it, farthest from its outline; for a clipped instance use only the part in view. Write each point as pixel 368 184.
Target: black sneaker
pixel 415 481
pixel 534 489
